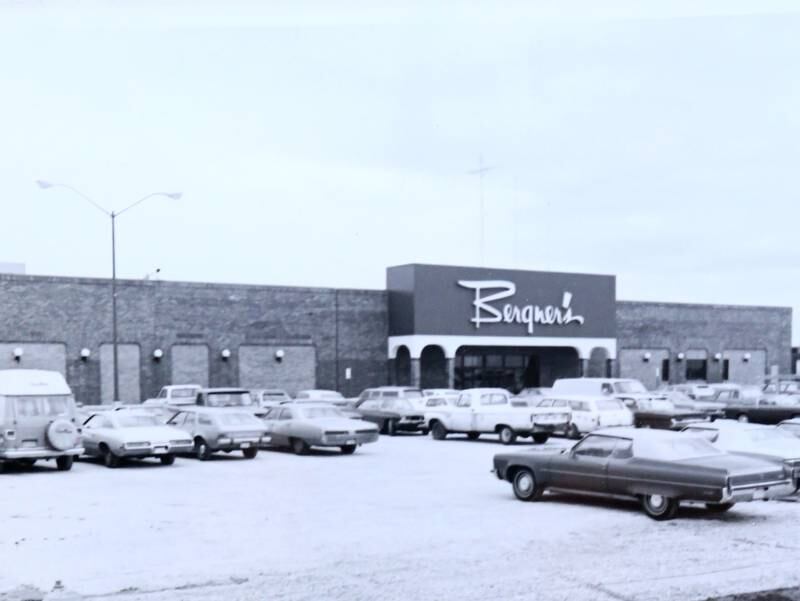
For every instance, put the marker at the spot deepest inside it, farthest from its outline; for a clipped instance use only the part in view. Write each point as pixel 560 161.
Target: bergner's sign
pixel 473 301
pixel 527 315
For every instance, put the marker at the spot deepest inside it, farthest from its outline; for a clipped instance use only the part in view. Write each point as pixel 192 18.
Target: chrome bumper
pixel 11 454
pixel 346 439
pixel 758 492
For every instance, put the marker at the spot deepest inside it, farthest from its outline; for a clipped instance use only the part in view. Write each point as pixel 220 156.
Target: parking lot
pixel 407 517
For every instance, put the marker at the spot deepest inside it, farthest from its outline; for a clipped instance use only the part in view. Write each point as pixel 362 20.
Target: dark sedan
pixel 661 469
pixel 762 411
pixel 662 414
pixel 392 415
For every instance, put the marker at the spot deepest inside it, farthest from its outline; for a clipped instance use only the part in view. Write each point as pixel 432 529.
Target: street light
pixel 44 185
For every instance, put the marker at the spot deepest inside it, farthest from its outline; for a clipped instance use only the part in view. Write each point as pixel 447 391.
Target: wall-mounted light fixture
pixel 681 356
pixel 225 354
pixel 746 357
pixel 279 355
pixel 85 354
pixel 18 352
pixel 158 354
pixel 718 357
pixel 647 356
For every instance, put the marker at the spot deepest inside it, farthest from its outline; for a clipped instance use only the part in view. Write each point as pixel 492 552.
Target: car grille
pixel 368 431
pixel 413 418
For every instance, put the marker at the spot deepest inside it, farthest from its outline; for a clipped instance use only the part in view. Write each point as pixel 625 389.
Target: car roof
pixel 728 424
pixel 183 386
pixel 21 382
pixel 214 410
pixel 394 388
pixel 635 434
pixel 565 396
pixel 305 405
pixel 479 390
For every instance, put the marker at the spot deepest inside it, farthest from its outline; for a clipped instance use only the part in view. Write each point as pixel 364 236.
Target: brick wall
pixel 346 328
pixel 683 328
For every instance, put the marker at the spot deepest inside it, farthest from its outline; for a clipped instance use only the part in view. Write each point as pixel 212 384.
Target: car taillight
pixel 11 434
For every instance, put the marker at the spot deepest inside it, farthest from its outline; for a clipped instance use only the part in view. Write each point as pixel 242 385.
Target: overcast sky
pixel 316 143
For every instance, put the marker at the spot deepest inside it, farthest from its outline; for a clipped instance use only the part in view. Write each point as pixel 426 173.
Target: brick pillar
pixel 451 372
pixel 584 368
pixel 416 373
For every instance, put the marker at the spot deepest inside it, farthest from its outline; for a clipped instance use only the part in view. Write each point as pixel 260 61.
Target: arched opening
pixel 598 363
pixel 433 368
pixel 402 367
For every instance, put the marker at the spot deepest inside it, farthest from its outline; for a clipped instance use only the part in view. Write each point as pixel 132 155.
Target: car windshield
pixel 629 387
pixel 674 448
pixel 238 419
pixel 183 393
pixel 609 405
pixel 42 406
pixel 229 399
pixel 135 420
pixel 318 412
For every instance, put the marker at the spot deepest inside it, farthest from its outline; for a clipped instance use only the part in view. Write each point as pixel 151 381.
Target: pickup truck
pixel 179 394
pixel 493 411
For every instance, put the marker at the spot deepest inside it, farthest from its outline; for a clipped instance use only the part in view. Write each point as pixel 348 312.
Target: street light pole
pixel 113 215
pixel 114 302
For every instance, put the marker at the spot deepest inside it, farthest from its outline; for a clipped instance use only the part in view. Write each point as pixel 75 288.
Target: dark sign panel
pixel 471 301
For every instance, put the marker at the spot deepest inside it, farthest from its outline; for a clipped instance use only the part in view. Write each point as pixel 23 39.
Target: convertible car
pixel 301 426
pixel 660 468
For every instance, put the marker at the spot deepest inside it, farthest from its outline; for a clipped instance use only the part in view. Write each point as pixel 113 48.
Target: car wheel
pixel 473 435
pixel 201 449
pixel 573 432
pixel 391 427
pixel 659 507
pixel 719 507
pixel 167 459
pixel 438 431
pixel 525 486
pixel 348 449
pixel 109 459
pixel 299 446
pixel 742 418
pixel 64 463
pixel 507 435
pixel 540 437
pixel 250 453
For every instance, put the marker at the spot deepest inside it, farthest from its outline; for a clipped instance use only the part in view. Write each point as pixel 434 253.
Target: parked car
pixel 695 390
pixel 216 429
pixel 492 411
pixel 683 402
pixel 792 426
pixel 391 392
pixel 129 434
pixel 534 393
pixel 326 396
pixel 623 389
pixel 590 413
pixel 37 419
pixel 269 397
pixel 175 394
pixel 392 415
pixel 302 426
pixel 438 392
pixel 762 411
pixel 754 440
pixel 225 397
pixel 659 468
pixel 731 394
pixel 662 414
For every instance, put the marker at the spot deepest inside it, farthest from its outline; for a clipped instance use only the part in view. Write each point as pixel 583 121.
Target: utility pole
pixel 480 172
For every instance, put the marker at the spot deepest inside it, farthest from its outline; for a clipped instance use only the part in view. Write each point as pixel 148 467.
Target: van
pixel 37 419
pixel 624 389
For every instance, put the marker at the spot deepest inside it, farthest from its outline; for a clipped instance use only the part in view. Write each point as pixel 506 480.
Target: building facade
pixel 433 326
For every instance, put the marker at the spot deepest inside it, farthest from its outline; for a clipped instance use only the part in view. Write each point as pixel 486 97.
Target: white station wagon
pixel 590 413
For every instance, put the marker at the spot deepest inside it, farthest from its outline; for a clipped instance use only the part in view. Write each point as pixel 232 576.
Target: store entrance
pixel 513 368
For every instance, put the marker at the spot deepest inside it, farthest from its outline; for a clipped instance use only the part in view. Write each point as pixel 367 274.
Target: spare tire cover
pixel 62 435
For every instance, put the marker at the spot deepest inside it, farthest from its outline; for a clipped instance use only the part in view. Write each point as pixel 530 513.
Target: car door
pixel 585 467
pixel 282 428
pixel 462 415
pixel 488 412
pixel 91 434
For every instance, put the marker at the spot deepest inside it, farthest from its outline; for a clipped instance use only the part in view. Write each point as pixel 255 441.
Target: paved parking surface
pixel 407 517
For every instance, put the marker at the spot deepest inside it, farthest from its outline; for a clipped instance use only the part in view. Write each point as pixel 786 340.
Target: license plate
pixel 245 445
pixel 351 441
pixel 266 439
pixel 759 495
pixel 160 450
